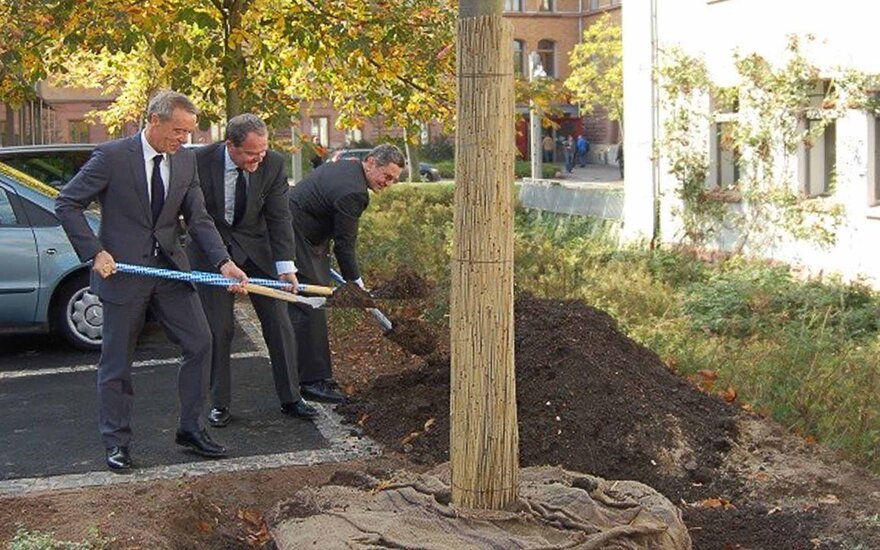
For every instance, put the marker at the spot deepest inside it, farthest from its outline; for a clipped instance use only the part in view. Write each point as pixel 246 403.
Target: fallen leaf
pixel 410 437
pixel 251 517
pixel 811 440
pixel 829 499
pixel 722 503
pixel 429 423
pixel 708 374
pixel 363 419
pixel 773 510
pixel 205 527
pixel 728 395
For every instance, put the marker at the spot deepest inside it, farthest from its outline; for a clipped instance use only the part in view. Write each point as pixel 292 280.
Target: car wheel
pixel 78 314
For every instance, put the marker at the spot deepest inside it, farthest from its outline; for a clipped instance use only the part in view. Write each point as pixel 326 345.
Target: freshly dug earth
pixel 350 295
pixel 413 335
pixel 594 401
pixel 405 284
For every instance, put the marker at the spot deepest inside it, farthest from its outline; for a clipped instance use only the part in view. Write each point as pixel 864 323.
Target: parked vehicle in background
pixel 427 172
pixel 43 284
pixel 53 165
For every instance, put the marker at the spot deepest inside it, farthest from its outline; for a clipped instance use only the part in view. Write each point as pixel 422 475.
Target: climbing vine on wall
pixel 765 125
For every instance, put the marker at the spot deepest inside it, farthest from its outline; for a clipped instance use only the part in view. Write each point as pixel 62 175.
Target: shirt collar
pixel 229 165
pixel 149 152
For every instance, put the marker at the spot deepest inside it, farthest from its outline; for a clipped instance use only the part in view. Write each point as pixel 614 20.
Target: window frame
pixel 544 54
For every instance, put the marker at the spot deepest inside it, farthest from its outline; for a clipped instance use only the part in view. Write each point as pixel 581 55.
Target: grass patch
pixel 38 540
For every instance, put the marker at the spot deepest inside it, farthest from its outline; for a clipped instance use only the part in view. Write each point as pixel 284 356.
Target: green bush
pixel 755 297
pixel 440 149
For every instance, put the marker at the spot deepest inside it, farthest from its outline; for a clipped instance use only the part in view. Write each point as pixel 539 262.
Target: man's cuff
pixel 221 263
pixel 285 267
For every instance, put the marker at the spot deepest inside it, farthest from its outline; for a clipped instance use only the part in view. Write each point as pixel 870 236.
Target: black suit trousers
pixel 277 332
pixel 310 324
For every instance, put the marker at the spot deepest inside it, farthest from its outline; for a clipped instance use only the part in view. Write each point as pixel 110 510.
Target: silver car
pixel 43 285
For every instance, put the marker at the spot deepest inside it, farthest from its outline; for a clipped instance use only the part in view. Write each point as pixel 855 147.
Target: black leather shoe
pixel 200 443
pixel 219 417
pixel 299 409
pixel 324 391
pixel 118 459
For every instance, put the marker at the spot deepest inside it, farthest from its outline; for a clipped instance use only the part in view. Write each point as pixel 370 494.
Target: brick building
pixel 549 27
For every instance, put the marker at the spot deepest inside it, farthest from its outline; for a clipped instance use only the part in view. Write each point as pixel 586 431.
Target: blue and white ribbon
pixel 199 277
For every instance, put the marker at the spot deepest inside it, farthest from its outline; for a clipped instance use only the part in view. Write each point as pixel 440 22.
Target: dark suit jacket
pixel 115 175
pixel 264 235
pixel 327 204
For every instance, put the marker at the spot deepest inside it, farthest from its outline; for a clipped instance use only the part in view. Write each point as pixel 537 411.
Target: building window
pixel 602 4
pixel 820 149
pixel 518 57
pixel 321 130
pixel 353 135
pixel 513 5
pixel 725 156
pixel 874 160
pixel 546 5
pixel 78 131
pixel 819 159
pixel 547 53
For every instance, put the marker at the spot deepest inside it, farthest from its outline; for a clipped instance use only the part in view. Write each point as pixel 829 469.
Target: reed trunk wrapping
pixel 484 438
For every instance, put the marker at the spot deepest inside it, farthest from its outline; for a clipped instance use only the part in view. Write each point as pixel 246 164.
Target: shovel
pixel 378 315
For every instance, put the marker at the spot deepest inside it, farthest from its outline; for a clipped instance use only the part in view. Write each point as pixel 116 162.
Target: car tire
pixel 78 315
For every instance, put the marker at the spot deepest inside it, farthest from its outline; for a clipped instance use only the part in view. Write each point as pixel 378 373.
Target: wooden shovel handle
pixel 316 289
pixel 271 292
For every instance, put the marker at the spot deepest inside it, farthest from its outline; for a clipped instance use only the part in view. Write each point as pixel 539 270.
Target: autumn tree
pixel 389 57
pixel 596 77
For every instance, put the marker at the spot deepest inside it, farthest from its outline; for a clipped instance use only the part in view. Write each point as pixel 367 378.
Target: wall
pixel 714 29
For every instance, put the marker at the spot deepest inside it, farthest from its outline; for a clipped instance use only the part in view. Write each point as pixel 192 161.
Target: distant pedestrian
pixel 619 158
pixel 548 145
pixel 568 149
pixel 583 147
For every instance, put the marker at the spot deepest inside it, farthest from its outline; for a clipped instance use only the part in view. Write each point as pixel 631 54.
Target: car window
pixel 7 214
pixel 38 216
pixel 54 168
pixel 28 181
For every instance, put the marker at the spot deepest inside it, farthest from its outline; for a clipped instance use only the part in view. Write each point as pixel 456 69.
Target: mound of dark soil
pixel 589 399
pixel 350 295
pixel 405 284
pixel 413 335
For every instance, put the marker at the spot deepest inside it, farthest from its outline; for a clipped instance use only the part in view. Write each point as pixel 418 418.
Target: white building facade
pixel 842 166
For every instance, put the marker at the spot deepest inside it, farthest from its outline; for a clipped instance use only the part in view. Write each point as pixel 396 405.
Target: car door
pixel 19 264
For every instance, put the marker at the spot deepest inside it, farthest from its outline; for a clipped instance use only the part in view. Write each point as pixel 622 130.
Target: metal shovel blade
pixel 313 301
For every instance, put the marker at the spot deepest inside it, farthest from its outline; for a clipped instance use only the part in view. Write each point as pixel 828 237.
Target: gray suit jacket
pixel 115 175
pixel 264 235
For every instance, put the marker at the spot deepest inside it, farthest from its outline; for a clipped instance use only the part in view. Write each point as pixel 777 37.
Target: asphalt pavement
pixel 48 416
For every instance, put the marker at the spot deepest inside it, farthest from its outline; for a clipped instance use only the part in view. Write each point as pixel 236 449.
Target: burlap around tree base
pixel 556 509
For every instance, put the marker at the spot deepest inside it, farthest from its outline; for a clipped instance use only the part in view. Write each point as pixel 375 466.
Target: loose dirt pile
pixel 350 295
pixel 413 335
pixel 594 401
pixel 405 284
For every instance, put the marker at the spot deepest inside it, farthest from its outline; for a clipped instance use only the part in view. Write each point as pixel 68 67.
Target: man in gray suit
pixel 245 192
pixel 144 184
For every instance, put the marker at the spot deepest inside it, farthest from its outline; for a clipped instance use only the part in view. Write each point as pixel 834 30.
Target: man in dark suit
pixel 144 184
pixel 246 194
pixel 326 206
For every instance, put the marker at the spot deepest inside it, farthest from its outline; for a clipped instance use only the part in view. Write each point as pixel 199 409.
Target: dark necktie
pixel 240 197
pixel 157 188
